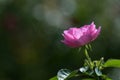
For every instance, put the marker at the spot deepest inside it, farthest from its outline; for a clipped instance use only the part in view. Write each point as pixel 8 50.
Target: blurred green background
pixel 30 35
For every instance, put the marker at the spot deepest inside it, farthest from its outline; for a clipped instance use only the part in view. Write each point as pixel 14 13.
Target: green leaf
pixel 112 63
pixel 98 72
pixel 63 74
pixel 108 79
pixel 72 74
pixel 88 79
pixel 54 78
pixel 105 77
pixel 83 69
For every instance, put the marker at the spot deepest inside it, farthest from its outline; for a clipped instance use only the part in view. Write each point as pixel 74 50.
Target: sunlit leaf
pixel 112 63
pixel 98 72
pixel 63 74
pixel 83 69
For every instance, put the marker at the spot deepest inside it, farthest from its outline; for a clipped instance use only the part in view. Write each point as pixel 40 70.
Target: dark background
pixel 30 35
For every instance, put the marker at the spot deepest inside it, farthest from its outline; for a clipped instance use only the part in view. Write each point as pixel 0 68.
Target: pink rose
pixel 77 37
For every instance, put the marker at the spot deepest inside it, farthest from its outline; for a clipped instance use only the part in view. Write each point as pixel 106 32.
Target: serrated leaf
pixel 112 63
pixel 54 78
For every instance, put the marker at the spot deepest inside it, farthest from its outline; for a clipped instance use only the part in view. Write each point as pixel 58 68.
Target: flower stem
pixel 87 56
pixel 90 64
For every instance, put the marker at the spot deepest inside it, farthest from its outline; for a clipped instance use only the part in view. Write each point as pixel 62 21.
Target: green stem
pixel 87 56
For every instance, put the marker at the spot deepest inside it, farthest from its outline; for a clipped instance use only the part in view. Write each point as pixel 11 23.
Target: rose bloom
pixel 77 37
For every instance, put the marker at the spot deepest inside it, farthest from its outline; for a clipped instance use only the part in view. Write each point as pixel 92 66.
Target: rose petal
pixel 77 37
